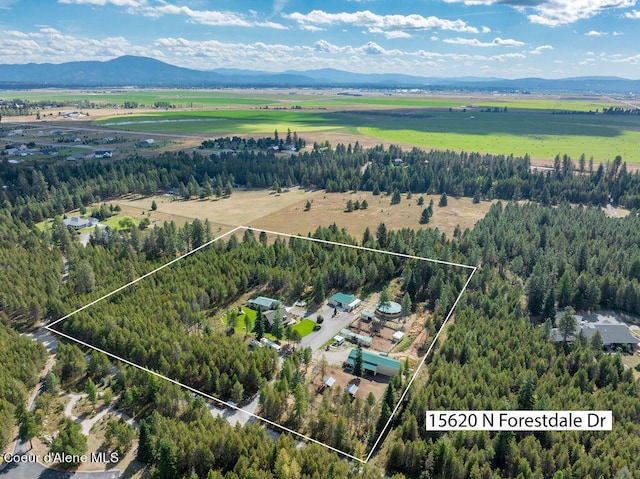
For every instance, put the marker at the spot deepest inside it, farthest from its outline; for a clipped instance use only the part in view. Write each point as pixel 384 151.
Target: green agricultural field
pixel 177 98
pixel 539 133
pixel 225 122
pixel 530 125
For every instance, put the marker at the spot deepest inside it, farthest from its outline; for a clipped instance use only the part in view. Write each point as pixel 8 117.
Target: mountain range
pixel 147 72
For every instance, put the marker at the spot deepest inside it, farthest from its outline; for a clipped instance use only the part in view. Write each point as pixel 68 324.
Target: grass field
pixel 199 99
pixel 539 133
pixel 304 327
pixel 286 212
pixel 530 125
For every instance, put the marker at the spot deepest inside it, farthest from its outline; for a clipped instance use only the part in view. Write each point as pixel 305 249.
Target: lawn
pixel 304 327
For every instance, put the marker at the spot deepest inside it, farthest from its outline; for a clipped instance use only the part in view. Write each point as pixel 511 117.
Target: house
pixel 271 314
pixel 374 363
pixel 613 335
pixel 145 143
pixel 263 302
pixel 77 222
pixel 365 341
pixel 103 154
pixel 76 157
pixel 348 302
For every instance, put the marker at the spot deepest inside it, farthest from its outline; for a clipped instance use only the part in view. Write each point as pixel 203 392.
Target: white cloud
pixel 634 60
pixel 594 33
pixel 371 48
pixel 486 29
pixel 557 12
pixel 635 14
pixel 202 17
pixel 540 49
pixel 311 28
pixel 390 35
pixel 102 3
pixel 369 19
pixel 324 46
pixel 47 43
pixel 278 5
pixel 474 42
pixel 617 34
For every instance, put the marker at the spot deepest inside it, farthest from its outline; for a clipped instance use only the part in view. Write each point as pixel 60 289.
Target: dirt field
pixel 286 212
pixel 328 208
pixel 368 384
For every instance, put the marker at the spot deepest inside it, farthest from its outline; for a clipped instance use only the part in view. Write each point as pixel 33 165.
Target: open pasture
pixel 309 98
pixel 532 124
pixel 539 133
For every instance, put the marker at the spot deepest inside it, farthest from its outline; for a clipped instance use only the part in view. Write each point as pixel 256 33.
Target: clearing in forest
pixel 325 391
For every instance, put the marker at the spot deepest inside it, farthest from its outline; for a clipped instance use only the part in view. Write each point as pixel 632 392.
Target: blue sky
pixel 444 38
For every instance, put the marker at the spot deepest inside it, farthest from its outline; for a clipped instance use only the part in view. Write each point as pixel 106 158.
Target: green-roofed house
pixel 374 363
pixel 263 303
pixel 348 302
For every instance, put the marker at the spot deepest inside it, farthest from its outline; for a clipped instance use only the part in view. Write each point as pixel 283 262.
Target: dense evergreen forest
pixel 533 257
pixel 47 188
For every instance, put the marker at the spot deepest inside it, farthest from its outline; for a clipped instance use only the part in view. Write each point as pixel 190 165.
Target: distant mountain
pixel 147 72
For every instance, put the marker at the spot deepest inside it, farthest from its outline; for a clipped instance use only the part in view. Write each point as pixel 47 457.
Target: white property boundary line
pixel 272 423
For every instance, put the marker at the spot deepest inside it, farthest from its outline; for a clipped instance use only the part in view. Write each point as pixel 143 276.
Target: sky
pixel 433 38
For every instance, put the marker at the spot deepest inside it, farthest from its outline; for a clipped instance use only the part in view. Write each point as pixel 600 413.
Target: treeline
pixel 22 360
pixel 619 110
pixel 44 189
pixel 237 143
pixel 568 256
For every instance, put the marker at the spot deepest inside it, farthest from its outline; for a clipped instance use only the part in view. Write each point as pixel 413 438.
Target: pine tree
pixel 277 328
pixel 92 392
pixel 258 326
pixel 318 290
pixel 406 304
pixel 425 216
pixel 396 198
pixel 167 460
pixel 357 362
pixel 145 444
pixel 567 323
pixel 384 300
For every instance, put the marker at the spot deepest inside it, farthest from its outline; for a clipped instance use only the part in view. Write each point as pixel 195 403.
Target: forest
pixel 533 257
pixel 43 189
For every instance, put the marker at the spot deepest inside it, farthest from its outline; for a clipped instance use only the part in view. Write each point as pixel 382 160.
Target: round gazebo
pixel 390 310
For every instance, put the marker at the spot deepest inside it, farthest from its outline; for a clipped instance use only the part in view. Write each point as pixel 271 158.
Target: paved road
pixel 330 327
